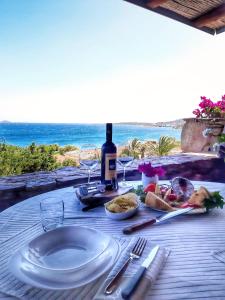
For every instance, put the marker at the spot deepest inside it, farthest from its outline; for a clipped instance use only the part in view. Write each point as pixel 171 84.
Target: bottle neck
pixel 109 132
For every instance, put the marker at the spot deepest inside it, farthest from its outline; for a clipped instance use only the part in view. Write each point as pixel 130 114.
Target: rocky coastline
pixel 176 124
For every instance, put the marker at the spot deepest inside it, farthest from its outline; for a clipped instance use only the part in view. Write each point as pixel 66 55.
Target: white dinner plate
pixel 66 248
pixel 50 279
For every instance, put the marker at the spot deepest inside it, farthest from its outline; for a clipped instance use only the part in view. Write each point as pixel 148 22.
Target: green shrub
pixel 69 163
pixel 67 148
pixel 18 160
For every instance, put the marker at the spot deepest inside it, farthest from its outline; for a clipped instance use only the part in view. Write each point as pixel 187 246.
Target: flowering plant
pixel 210 109
pixel 150 171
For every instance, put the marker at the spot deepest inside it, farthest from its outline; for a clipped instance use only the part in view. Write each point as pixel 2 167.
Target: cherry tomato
pixel 172 197
pixel 150 188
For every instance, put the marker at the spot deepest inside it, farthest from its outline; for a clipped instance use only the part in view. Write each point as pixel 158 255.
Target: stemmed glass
pixel 89 158
pixel 125 161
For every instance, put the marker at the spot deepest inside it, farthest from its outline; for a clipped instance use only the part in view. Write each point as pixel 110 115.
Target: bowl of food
pixel 122 207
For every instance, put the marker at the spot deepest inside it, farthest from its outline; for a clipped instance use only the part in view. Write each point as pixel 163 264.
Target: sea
pixel 23 134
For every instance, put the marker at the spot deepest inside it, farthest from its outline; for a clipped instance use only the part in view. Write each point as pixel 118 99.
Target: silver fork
pixel 134 254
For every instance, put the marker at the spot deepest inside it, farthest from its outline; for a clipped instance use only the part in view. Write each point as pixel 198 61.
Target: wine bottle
pixel 108 160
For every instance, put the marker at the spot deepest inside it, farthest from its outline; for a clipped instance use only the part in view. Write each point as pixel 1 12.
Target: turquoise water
pixel 23 134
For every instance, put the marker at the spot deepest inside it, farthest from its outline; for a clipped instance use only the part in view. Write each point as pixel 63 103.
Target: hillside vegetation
pixel 15 160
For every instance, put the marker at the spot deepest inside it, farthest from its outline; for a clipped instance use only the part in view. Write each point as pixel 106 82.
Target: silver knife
pixel 132 228
pixel 133 282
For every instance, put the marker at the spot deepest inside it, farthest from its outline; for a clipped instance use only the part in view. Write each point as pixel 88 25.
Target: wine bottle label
pixel 110 166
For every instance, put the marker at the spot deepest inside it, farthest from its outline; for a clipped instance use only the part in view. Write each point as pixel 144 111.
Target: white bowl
pixel 65 248
pixel 121 215
pixel 54 280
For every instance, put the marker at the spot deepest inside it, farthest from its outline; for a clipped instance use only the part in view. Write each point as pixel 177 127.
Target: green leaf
pixel 140 192
pixel 215 200
pixel 163 146
pixel 221 138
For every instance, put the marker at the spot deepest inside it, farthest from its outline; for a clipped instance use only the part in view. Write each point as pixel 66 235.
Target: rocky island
pixel 5 122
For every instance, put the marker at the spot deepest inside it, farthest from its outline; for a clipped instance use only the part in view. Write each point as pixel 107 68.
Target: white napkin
pixel 146 282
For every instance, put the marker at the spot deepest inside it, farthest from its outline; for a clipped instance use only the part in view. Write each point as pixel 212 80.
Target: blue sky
pixel 60 60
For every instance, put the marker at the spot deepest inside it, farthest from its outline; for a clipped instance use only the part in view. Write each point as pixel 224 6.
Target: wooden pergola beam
pixel 210 17
pixel 155 3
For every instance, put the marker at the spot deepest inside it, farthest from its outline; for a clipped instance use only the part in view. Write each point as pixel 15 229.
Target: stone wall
pixel 197 167
pixel 192 139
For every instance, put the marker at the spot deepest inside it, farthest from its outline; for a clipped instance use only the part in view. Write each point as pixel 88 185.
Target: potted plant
pixel 150 174
pixel 209 109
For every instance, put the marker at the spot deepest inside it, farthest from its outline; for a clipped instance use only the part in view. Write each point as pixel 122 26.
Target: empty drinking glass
pixel 52 213
pixel 89 158
pixel 125 162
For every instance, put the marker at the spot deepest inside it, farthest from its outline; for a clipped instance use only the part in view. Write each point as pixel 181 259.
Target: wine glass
pixel 89 158
pixel 125 161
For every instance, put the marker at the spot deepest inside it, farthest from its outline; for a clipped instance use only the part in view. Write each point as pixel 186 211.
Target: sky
pixel 97 61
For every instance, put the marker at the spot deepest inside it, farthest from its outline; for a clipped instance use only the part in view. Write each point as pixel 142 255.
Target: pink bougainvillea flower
pixel 150 171
pixel 160 171
pixel 210 109
pixel 206 103
pixel 220 104
pixel 197 112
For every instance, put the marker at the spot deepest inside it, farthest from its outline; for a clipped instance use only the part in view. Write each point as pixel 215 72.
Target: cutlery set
pixel 136 253
pixel 133 282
